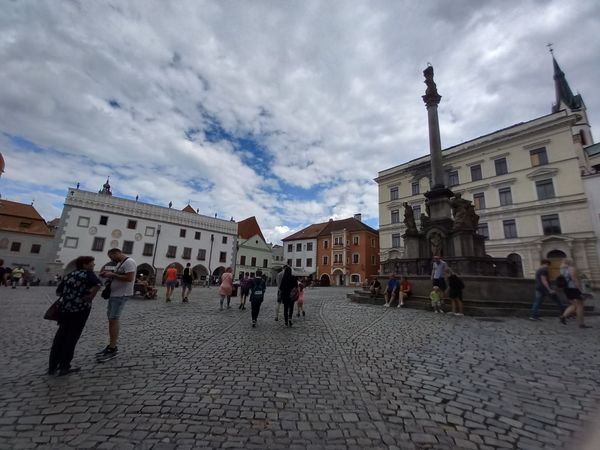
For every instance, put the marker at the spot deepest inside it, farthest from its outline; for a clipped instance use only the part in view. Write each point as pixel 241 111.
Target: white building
pixel 525 182
pixel 154 236
pixel 300 249
pixel 253 252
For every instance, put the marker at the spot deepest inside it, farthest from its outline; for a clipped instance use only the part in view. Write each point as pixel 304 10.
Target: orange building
pixel 347 252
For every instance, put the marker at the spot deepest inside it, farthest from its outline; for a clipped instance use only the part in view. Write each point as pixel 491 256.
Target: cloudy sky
pixel 285 110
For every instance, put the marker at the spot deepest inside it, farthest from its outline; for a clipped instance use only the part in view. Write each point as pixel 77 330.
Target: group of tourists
pixel 16 276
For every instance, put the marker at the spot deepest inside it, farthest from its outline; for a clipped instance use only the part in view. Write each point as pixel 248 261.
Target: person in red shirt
pixel 170 281
pixel 405 290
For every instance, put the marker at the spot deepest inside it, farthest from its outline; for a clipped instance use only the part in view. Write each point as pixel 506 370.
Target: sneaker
pixel 535 319
pixel 303 314
pixel 582 326
pixel 103 352
pixel 168 300
pixel 459 314
pixel 436 311
pixel 185 300
pixel 276 319
pixel 387 305
pixel 63 372
pixel 110 354
pixel 240 307
pixel 254 324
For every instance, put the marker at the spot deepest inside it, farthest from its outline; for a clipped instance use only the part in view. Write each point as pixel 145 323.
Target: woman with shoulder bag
pixel 573 293
pixel 78 290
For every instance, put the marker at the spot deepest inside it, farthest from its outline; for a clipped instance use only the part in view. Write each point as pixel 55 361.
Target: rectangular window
pixel 325 244
pixel 395 216
pixel 197 235
pixel 415 188
pixel 510 228
pixel 545 189
pixel 289 262
pixel 222 257
pixel 172 251
pixel 337 258
pixel 309 247
pixel 265 263
pixel 337 240
pixel 127 247
pixel 132 224
pixel 308 262
pixel 243 260
pixel 149 231
pixel 71 242
pixel 201 254
pixel 394 193
pixel 325 260
pixel 148 250
pixel 395 240
pixel 15 247
pixel 83 222
pixel 373 261
pixel 482 229
pixel 373 243
pixel 187 253
pixel 505 196
pixel 103 220
pixel 98 244
pixel 290 248
pixel 355 240
pixel 476 172
pixel 355 258
pixel 539 157
pixel 182 232
pixel 479 200
pixel 453 178
pixel 298 262
pixel 35 248
pixel 224 240
pixel 417 211
pixel 298 247
pixel 501 166
pixel 253 261
pixel 551 224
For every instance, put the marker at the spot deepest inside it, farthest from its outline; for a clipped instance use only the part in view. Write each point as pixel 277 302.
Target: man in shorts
pixel 278 280
pixel 122 281
pixel 186 283
pixel 438 272
pixel 170 281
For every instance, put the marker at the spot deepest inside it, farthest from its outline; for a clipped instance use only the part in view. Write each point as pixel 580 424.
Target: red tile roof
pixel 21 218
pixel 249 227
pixel 320 229
pixel 311 231
pixel 189 209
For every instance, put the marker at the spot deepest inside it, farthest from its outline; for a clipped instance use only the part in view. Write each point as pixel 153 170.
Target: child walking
pixel 300 301
pixel 436 299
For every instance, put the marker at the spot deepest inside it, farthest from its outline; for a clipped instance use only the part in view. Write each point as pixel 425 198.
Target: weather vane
pixel 549 45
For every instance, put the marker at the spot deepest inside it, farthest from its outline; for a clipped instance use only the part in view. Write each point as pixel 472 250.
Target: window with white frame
pixel 538 156
pixel 453 178
pixel 482 229
pixel 71 242
pixel 505 196
pixel 396 240
pixel 510 228
pixel 395 216
pixel 501 166
pixel 355 258
pixel 83 221
pixel 325 260
pixel 545 189
pixel 415 189
pixel 355 240
pixel 476 172
pixel 479 200
pixel 551 224
pixel 394 193
pixel 149 231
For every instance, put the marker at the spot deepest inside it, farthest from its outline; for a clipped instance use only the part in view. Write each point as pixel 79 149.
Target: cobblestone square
pixel 348 376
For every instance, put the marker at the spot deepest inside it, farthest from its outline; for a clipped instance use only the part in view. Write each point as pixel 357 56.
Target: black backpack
pixel 561 282
pixel 258 290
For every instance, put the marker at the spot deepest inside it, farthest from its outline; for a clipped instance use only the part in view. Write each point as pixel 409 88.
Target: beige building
pixel 526 182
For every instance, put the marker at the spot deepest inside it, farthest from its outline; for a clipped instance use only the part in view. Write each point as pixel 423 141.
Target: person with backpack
pixel 569 282
pixel 245 285
pixel 542 290
pixel 187 279
pixel 257 295
pixel 289 294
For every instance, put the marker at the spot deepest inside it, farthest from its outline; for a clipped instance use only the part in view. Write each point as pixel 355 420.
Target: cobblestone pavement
pixel 349 376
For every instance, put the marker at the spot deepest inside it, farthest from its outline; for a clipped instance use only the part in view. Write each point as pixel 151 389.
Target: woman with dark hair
pixel 77 291
pixel 288 284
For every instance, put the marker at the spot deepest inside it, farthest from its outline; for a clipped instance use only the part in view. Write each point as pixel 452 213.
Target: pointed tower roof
pixel 249 227
pixel 564 95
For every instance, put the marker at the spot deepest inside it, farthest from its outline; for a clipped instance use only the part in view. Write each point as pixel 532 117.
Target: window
pixel 325 244
pixel 298 262
pixel 289 262
pixel 308 262
pixel 337 258
pixel 395 216
pixel 197 235
pixel 539 157
pixel 265 263
pixel 3 243
pixel 98 244
pixel 128 247
pixel 253 261
pixel 132 224
pixel 355 240
pixel 501 166
pixel 417 211
pixel 510 228
pixel 395 240
pixel 290 248
pixel 71 242
pixel 505 196
pixel 483 230
pixel 148 250
pixel 309 247
pixel 325 260
pixel 201 254
pixel 545 189
pixel 171 251
pixel 35 248
pixel 187 253
pixel 355 258
pixel 373 260
pixel 479 200
pixel 394 193
pixel 476 172
pixel 243 260
pixel 15 247
pixel 83 222
pixel 373 243
pixel 298 247
pixel 453 178
pixel 355 278
pixel 551 224
pixel 224 240
pixel 149 231
pixel 182 232
pixel 337 240
pixel 103 220
pixel 415 188
pixel 223 257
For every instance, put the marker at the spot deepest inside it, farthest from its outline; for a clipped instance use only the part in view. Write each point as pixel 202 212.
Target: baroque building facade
pixel 527 183
pixel 253 252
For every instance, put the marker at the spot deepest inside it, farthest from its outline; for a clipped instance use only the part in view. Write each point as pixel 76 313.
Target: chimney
pixel 358 217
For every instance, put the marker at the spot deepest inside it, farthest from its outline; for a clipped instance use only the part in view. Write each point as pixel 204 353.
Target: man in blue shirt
pixel 391 290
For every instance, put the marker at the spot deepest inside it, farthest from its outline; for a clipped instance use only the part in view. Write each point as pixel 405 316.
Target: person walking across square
pixel 542 290
pixel 258 288
pixel 187 278
pixel 170 282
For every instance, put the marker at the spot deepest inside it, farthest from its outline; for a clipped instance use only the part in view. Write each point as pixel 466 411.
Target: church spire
pixel 564 95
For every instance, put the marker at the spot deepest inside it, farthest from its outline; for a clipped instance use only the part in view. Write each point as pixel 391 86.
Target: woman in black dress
pixel 455 288
pixel 288 284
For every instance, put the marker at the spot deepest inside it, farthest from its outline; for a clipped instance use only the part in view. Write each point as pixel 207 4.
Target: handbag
pixel 106 291
pixel 294 294
pixel 54 311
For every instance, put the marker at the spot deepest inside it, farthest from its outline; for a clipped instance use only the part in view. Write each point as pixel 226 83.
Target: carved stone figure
pixel 425 222
pixel 409 219
pixel 431 86
pixel 473 216
pixel 461 212
pixel 435 243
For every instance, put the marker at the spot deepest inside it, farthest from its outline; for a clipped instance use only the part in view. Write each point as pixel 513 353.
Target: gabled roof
pixel 249 227
pixel 21 218
pixel 350 224
pixel 189 209
pixel 310 232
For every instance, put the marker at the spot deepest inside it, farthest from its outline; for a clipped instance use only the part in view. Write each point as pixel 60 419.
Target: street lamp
pixel 155 249
pixel 212 240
